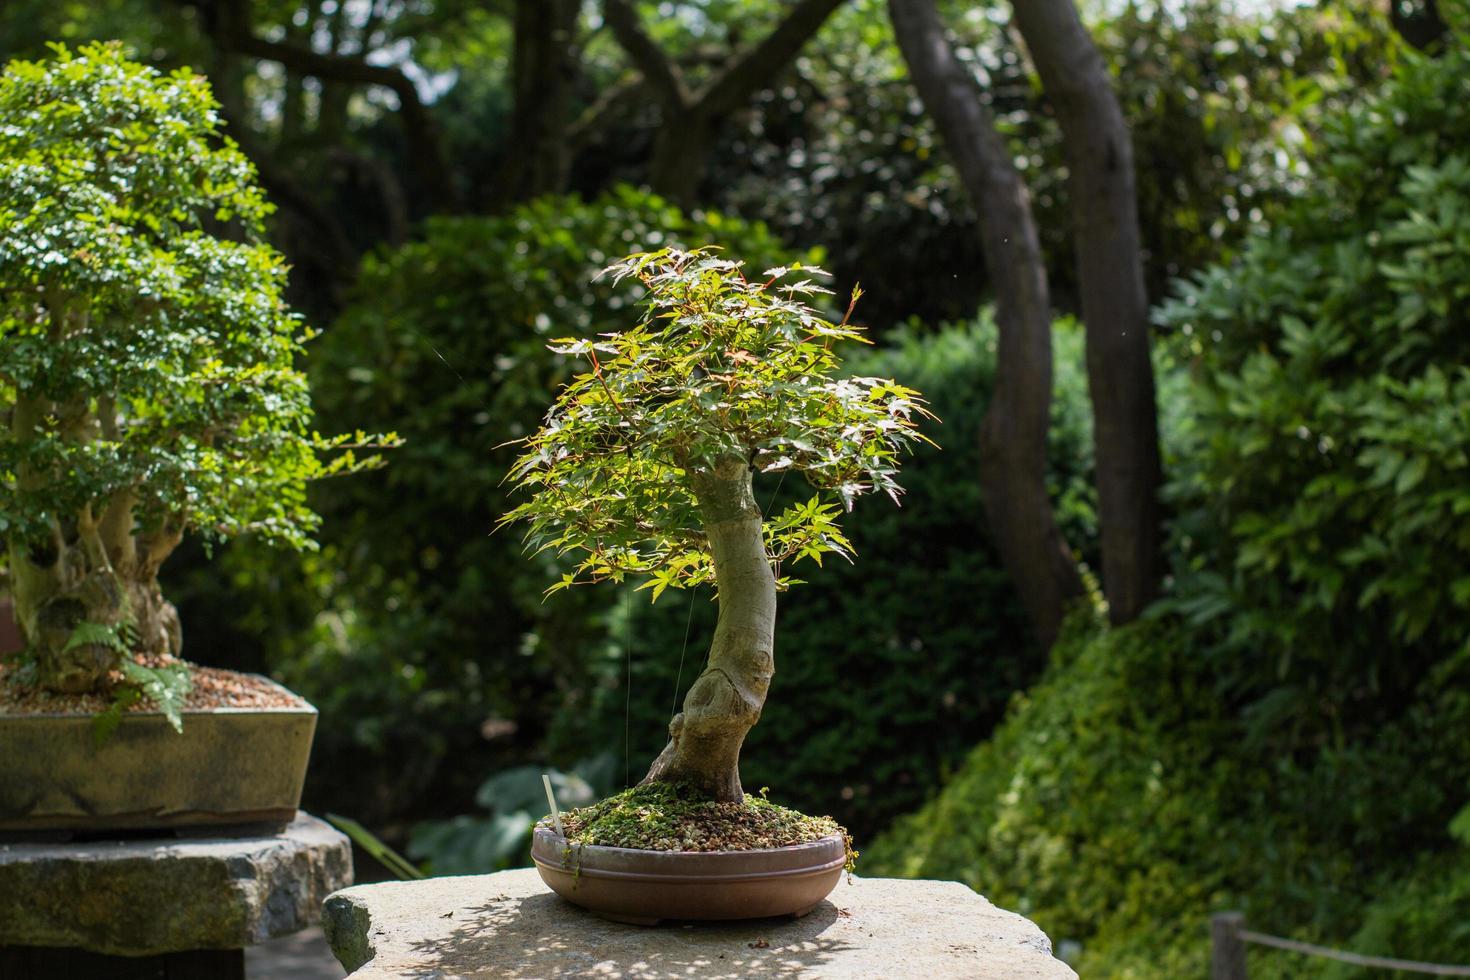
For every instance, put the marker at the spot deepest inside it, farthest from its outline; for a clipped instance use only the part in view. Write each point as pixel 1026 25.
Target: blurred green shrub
pixel 887 670
pixel 1118 806
pixel 514 800
pixel 1325 486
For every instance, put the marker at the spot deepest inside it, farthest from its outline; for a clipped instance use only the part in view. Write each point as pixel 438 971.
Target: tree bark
pixel 726 699
pixel 1120 375
pixel 1014 431
pixel 677 169
pixel 681 153
pixel 541 87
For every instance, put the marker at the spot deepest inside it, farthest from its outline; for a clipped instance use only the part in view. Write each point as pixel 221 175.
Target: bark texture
pixel 726 700
pixel 542 71
pixel 686 136
pixel 1014 430
pixel 1114 305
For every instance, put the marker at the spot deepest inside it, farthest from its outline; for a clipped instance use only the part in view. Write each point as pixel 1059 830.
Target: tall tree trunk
pixel 1013 434
pixel 726 700
pixel 1114 305
pixel 542 69
pixel 681 152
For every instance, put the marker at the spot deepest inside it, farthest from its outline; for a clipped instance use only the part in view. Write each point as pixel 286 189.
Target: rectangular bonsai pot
pixel 230 768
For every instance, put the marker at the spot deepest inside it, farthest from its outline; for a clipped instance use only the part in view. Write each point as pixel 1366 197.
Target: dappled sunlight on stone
pixel 508 925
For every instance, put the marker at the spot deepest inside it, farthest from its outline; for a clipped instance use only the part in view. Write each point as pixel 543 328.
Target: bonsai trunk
pixel 57 588
pixel 726 700
pixel 91 568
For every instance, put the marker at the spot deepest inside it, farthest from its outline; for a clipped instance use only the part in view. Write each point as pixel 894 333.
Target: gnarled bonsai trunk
pixel 93 568
pixel 726 700
pixel 55 591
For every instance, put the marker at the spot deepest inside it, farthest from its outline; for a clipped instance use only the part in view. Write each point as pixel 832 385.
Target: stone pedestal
pixel 509 925
pixel 162 907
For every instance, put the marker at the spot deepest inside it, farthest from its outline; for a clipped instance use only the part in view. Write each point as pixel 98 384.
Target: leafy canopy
pixel 144 341
pixel 720 366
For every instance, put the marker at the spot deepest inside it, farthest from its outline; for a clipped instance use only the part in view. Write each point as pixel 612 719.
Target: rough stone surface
pixel 141 897
pixel 509 925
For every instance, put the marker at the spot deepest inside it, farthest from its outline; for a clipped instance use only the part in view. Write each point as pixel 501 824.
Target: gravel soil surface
pixel 213 688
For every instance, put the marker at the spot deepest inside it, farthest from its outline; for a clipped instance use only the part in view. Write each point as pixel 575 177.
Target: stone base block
pixel 509 925
pixel 154 896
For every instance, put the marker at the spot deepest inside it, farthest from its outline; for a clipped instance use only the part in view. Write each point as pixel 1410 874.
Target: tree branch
pixel 656 67
pixel 584 129
pixel 232 30
pixel 759 64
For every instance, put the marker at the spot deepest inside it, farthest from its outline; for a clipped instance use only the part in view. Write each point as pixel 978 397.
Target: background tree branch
pixel 690 123
pixel 229 24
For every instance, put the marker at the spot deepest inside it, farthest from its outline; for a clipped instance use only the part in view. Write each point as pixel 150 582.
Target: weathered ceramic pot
pixel 231 768
pixel 645 887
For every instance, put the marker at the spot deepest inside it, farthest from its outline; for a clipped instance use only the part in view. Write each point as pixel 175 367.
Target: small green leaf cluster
pixel 721 366
pixel 146 351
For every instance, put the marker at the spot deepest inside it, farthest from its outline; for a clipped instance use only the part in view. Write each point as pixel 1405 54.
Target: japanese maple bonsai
pixel 147 377
pixel 645 466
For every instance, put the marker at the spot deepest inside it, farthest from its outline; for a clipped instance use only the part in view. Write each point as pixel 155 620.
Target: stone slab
pixel 509 925
pixel 162 895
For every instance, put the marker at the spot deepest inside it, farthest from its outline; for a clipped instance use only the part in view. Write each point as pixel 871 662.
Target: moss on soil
pixel 672 817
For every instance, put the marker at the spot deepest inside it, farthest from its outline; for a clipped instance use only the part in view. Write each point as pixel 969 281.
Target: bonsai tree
pixel 147 382
pixel 645 466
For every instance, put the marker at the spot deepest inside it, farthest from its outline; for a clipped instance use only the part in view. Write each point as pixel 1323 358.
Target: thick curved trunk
pixel 89 569
pixel 726 700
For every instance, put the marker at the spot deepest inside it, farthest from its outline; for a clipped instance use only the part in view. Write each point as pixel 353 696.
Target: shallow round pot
pixel 646 886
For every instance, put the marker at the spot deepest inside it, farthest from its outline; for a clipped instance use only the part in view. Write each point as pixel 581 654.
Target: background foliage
pixel 1288 735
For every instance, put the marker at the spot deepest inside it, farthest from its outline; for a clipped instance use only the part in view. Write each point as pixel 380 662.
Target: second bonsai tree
pixel 645 466
pixel 147 366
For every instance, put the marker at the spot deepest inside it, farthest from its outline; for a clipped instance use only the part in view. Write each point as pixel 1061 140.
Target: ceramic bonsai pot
pixel 645 887
pixel 231 769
